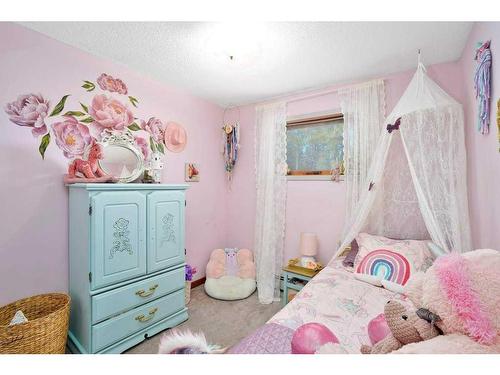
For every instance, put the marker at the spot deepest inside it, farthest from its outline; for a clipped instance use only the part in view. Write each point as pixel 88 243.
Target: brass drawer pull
pixel 142 318
pixel 143 293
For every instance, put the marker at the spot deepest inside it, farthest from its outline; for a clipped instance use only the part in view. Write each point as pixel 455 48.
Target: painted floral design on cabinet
pixel 75 128
pixel 168 229
pixel 121 241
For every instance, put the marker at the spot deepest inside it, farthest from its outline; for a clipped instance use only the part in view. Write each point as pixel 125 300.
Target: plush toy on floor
pixel 187 342
pixel 230 274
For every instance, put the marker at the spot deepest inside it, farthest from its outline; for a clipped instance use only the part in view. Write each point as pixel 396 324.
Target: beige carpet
pixel 224 322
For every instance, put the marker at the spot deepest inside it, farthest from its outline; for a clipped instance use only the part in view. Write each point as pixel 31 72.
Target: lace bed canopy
pixel 416 185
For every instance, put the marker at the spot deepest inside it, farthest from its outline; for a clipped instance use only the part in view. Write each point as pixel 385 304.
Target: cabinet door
pixel 165 229
pixel 118 237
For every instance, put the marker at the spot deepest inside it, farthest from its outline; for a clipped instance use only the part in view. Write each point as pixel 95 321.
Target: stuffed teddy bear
pixel 463 290
pixel 406 327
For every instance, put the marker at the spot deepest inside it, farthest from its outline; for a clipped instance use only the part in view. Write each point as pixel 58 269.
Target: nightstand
pixel 292 280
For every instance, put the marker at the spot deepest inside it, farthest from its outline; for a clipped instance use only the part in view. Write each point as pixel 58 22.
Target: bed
pixel 333 298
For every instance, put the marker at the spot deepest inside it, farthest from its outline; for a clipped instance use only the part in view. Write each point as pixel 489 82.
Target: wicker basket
pixel 46 330
pixel 187 292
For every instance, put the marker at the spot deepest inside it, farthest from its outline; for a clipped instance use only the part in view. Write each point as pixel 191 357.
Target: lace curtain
pixel 270 168
pixel 435 149
pixel 363 107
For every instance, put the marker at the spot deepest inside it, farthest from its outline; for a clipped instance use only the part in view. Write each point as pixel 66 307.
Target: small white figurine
pixel 154 167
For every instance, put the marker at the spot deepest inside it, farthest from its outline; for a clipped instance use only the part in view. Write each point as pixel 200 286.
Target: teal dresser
pixel 126 264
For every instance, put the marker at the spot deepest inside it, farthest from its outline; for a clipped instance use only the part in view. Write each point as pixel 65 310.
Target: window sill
pixel 311 178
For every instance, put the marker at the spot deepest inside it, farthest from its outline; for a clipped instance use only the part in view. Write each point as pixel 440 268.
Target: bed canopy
pixel 416 185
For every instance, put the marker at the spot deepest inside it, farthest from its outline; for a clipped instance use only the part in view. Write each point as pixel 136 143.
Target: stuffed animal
pixel 187 342
pixel 88 168
pixel 463 290
pixel 406 327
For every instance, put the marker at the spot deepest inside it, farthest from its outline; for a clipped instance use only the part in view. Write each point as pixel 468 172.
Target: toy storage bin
pixel 46 330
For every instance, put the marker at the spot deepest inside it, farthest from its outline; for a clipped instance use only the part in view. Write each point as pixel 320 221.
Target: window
pixel 315 145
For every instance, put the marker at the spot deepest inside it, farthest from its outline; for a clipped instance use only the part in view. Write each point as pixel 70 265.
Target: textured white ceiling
pixel 270 59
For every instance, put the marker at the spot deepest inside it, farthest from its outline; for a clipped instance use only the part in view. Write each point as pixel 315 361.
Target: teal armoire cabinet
pixel 126 264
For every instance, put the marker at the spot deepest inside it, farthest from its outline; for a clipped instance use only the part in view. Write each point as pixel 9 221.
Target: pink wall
pixel 33 222
pixel 317 206
pixel 483 156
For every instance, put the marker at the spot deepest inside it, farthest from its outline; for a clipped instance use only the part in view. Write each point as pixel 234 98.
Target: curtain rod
pixel 330 91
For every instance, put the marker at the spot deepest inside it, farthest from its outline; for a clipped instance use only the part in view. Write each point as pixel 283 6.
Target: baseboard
pixel 198 282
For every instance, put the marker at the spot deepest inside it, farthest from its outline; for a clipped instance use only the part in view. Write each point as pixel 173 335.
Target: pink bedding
pixel 333 298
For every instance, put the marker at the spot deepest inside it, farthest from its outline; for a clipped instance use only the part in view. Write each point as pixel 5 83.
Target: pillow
pixel 393 287
pixel 351 256
pixel 416 252
pixel 370 279
pixel 384 264
pixel 436 250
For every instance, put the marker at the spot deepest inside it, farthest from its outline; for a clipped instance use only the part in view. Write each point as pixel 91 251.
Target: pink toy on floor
pixel 230 274
pixel 231 263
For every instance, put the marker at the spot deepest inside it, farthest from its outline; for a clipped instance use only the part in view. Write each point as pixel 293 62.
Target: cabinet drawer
pixel 121 326
pixel 127 297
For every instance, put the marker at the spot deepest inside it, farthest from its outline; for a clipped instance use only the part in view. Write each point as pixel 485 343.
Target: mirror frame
pixel 126 140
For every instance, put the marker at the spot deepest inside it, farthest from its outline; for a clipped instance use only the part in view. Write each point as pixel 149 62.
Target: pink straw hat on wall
pixel 175 137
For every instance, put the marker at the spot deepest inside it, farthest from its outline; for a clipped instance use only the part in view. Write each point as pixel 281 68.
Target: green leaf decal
pixel 133 100
pixel 60 106
pixel 134 127
pixel 85 108
pixel 44 144
pixel 87 120
pixel 74 113
pixel 89 86
pixel 152 144
pixel 160 148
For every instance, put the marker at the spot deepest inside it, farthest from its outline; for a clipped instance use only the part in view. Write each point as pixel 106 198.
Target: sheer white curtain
pixel 270 169
pixel 363 107
pixel 435 148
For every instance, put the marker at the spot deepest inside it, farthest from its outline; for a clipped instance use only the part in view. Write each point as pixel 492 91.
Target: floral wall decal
pixel 76 129
pixel 29 110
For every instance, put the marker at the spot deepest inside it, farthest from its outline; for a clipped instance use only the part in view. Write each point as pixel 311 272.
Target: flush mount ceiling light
pixel 235 42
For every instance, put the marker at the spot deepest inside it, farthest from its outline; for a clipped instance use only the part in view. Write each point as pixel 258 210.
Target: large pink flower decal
pixel 142 145
pixel 109 113
pixel 108 83
pixel 156 128
pixel 72 137
pixel 29 110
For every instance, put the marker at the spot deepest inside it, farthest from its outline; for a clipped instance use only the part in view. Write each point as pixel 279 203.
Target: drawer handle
pixel 142 318
pixel 143 293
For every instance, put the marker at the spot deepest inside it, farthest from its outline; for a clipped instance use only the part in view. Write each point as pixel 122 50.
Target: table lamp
pixel 308 248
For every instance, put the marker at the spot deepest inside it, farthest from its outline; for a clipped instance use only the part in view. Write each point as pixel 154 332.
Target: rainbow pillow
pixel 385 265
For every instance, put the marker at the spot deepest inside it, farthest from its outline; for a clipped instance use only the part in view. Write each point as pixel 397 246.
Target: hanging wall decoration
pixel 230 144
pixel 482 85
pixel 191 172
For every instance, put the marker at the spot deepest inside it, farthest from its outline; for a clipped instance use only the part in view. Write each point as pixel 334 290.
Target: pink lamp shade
pixel 308 244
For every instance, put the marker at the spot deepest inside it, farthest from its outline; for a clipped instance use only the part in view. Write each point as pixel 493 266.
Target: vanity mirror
pixel 120 158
